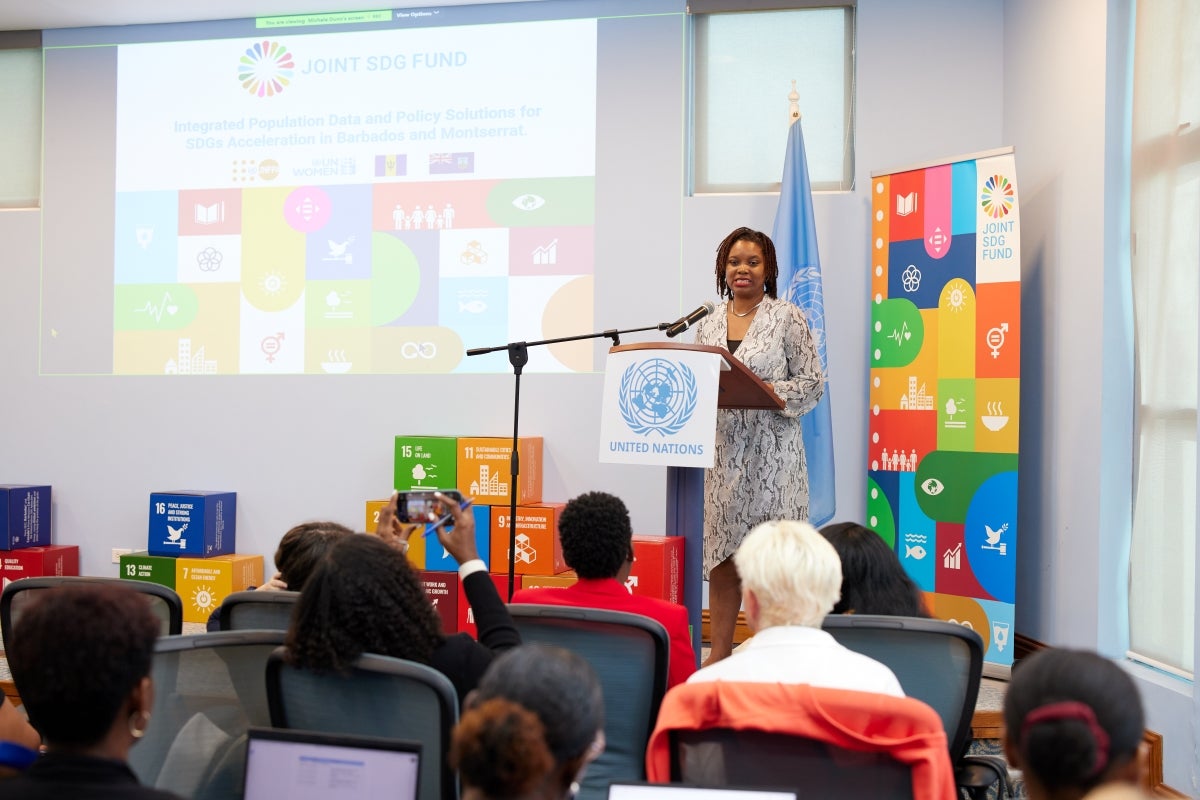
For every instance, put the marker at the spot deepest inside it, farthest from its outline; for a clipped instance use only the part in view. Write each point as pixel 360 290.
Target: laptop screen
pixel 675 791
pixel 303 765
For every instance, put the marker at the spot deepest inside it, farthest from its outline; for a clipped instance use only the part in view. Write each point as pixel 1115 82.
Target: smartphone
pixel 421 506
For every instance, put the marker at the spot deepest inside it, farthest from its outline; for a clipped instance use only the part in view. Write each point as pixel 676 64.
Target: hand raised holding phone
pixel 459 540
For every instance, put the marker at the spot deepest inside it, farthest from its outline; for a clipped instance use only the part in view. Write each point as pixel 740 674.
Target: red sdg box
pixel 37 562
pixel 657 567
pixel 24 516
pixel 446 593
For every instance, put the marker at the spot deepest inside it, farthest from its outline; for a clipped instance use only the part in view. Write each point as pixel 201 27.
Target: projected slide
pixel 359 202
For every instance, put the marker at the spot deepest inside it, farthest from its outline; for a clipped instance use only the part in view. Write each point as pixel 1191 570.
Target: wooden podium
pixel 739 388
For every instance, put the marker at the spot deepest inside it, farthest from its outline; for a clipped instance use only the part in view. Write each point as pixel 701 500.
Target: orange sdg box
pixel 202 583
pixel 485 468
pixel 561 581
pixel 416 542
pixel 657 567
pixel 539 551
pixel 38 562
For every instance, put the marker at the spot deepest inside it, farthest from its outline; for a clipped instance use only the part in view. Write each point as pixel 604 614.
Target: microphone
pixel 683 323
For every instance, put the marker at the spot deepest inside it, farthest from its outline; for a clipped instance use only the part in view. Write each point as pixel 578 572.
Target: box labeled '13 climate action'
pixel 192 523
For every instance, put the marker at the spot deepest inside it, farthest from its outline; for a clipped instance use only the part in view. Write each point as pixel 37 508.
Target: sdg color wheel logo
pixel 997 196
pixel 657 396
pixel 265 68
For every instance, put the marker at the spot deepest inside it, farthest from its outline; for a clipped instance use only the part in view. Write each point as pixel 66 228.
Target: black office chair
pixel 164 602
pixel 257 610
pixel 938 662
pixel 629 653
pixel 383 696
pixel 208 689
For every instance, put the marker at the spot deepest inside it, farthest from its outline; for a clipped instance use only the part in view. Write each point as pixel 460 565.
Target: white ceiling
pixel 40 14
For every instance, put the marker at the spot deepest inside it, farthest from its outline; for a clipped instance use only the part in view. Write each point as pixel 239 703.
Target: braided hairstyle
pixel 1073 718
pixel 770 262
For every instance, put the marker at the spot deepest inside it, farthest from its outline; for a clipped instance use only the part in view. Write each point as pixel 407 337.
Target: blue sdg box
pixel 192 523
pixel 24 516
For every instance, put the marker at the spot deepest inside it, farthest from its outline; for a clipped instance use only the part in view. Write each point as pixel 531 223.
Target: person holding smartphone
pixel 365 597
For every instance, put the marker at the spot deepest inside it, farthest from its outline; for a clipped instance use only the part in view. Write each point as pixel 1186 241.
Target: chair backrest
pixel 629 654
pixel 820 742
pixel 208 689
pixel 382 696
pixel 164 602
pixel 257 610
pixel 725 757
pixel 938 662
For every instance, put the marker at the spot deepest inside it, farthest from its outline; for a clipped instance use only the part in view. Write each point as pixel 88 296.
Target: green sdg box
pixel 24 516
pixel 141 566
pixel 192 523
pixel 426 462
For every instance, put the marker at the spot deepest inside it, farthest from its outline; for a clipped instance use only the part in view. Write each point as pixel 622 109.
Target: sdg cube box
pixel 192 523
pixel 416 542
pixel 24 516
pixel 445 591
pixel 466 614
pixel 426 462
pixel 202 583
pixel 657 567
pixel 141 566
pixel 38 562
pixel 438 559
pixel 561 581
pixel 539 551
pixel 485 469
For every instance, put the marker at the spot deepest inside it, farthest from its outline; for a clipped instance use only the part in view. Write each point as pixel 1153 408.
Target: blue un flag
pixel 795 237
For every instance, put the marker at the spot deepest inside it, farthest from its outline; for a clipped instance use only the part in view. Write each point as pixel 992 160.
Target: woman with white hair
pixel 791 578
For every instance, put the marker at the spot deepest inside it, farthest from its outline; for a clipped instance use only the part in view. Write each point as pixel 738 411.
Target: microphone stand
pixel 518 356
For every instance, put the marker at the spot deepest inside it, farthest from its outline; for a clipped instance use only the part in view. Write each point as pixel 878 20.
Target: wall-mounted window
pixel 21 121
pixel 746 56
pixel 1165 208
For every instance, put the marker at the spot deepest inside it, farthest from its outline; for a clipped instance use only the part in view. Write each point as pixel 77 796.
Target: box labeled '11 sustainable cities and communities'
pixel 198 524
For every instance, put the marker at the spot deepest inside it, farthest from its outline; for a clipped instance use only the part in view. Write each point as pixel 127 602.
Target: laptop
pixel 676 791
pixel 304 765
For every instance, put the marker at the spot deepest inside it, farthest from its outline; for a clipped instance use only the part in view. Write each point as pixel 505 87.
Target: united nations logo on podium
pixel 657 396
pixel 660 407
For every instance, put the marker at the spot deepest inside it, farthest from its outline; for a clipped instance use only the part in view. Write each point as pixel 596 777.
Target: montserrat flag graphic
pixel 795 237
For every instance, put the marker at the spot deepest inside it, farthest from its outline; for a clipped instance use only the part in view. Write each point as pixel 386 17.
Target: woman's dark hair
pixel 499 747
pixel 770 263
pixel 495 747
pixel 873 581
pixel 1072 716
pixel 78 653
pixel 362 598
pixel 596 535
pixel 303 547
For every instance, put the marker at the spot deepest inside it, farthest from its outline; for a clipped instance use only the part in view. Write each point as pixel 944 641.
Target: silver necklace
pixel 744 313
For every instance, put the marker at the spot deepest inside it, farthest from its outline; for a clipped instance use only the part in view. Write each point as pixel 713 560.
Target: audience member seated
pixel 531 728
pixel 19 742
pixel 597 542
pixel 365 597
pixel 299 552
pixel 1073 724
pixel 790 577
pixel 873 581
pixel 82 666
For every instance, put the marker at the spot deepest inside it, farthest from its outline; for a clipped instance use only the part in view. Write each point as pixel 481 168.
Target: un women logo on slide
pixel 657 396
pixel 266 68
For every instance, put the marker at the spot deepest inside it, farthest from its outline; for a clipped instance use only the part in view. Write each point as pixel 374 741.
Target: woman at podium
pixel 759 472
